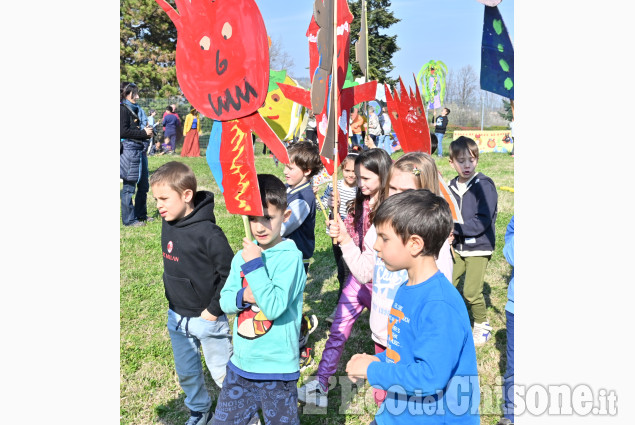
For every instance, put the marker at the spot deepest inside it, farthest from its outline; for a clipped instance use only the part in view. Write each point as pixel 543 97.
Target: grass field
pixel 149 389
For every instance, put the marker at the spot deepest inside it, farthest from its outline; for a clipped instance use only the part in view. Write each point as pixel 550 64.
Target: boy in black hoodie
pixel 196 261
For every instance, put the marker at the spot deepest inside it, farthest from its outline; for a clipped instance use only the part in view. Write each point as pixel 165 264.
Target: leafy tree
pixel 507 107
pixel 148 48
pixel 381 47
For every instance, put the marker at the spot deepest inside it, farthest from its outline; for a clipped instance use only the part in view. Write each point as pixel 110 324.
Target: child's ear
pixel 415 245
pixel 286 215
pixel 188 195
pixel 307 172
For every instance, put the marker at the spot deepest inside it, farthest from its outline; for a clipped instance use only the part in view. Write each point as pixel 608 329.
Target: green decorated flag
pixel 497 55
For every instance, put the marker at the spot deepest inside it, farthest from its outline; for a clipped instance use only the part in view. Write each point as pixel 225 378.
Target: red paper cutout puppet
pixel 408 119
pixel 222 65
pixel 318 69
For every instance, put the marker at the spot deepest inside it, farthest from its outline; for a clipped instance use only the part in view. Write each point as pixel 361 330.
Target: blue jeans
pixel 508 384
pixel 356 139
pixel 139 211
pixel 439 138
pixel 384 143
pixel 188 334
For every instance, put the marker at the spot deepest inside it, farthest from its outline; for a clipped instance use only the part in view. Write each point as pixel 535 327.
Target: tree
pixel 466 86
pixel 279 58
pixel 148 48
pixel 381 47
pixel 507 115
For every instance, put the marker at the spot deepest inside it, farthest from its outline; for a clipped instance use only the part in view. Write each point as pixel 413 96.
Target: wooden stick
pixel 247 228
pixel 334 118
pixel 322 205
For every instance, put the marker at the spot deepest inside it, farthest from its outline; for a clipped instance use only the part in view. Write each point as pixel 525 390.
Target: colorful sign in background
pixel 489 141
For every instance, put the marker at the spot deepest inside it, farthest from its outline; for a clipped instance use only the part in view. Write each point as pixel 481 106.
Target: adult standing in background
pixel 374 129
pixel 311 128
pixel 134 135
pixel 439 129
pixel 171 123
pixel 191 131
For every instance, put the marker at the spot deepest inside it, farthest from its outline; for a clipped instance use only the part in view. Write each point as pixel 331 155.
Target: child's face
pixel 400 181
pixel 390 248
pixel 368 182
pixel 294 174
pixel 266 229
pixel 349 173
pixel 171 204
pixel 465 165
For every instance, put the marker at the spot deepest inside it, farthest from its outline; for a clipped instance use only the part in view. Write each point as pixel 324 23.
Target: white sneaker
pixel 312 393
pixel 481 333
pixel 331 318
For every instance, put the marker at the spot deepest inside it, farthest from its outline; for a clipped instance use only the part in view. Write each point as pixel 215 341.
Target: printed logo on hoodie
pixel 252 322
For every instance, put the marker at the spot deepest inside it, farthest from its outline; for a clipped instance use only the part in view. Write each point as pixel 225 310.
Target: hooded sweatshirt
pixel 196 258
pixel 266 335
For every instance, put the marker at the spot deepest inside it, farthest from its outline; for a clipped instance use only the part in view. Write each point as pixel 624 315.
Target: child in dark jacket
pixel 304 163
pixel 196 259
pixel 474 240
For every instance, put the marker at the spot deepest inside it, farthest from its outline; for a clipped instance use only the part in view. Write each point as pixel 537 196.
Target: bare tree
pixel 466 86
pixel 279 58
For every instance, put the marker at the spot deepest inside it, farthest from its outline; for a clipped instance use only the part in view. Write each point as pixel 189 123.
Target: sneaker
pixel 331 318
pixel 200 418
pixel 481 333
pixel 255 420
pixel 149 219
pixel 312 393
pixel 136 224
pixel 308 326
pixel 306 359
pixel 505 421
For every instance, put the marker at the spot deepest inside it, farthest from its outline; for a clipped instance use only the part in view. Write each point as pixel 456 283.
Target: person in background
pixel 191 131
pixel 441 124
pixel 134 138
pixel 311 128
pixel 171 123
pixel 374 129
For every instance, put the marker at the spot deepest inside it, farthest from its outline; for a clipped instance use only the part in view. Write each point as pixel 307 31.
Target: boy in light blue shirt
pixel 265 290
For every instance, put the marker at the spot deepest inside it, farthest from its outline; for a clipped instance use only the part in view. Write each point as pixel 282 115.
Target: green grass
pixel 149 389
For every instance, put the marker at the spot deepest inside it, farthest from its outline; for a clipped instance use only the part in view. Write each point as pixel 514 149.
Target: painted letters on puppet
pixel 222 65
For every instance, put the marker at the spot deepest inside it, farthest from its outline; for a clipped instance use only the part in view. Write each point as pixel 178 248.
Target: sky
pixel 445 30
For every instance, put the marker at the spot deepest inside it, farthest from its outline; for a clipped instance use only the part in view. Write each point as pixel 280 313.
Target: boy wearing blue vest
pixel 265 290
pixel 429 367
pixel 304 163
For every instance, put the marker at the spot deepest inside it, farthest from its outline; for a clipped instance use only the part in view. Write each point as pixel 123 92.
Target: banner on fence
pixel 489 141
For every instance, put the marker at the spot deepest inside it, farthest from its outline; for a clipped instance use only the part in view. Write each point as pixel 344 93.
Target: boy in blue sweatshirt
pixel 429 367
pixel 265 290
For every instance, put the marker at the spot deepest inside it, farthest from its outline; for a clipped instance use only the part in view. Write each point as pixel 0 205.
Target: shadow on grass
pixel 501 345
